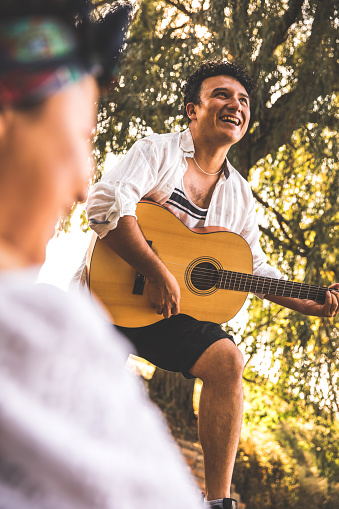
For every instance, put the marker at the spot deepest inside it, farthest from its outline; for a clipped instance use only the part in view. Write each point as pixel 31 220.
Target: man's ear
pixel 190 110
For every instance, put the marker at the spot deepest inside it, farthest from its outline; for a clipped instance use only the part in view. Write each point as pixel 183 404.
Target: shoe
pixel 227 503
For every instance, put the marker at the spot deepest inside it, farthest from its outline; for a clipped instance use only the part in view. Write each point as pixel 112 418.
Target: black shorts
pixel 176 343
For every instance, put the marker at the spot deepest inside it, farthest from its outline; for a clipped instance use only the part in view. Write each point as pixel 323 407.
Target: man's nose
pixel 234 103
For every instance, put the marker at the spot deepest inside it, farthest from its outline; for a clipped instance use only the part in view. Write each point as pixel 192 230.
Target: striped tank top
pixel 182 207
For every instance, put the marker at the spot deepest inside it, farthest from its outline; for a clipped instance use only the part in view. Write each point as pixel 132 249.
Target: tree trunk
pixel 176 393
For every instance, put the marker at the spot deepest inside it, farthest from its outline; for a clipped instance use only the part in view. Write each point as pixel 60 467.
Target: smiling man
pixel 189 174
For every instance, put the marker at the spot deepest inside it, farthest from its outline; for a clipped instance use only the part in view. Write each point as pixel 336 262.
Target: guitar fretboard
pixel 242 282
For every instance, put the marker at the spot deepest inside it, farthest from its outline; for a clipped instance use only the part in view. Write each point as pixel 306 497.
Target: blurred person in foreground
pixel 76 429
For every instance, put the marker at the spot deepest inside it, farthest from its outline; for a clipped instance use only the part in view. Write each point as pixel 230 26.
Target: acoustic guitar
pixel 213 269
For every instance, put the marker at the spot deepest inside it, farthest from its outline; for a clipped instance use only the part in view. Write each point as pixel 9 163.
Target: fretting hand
pixel 330 308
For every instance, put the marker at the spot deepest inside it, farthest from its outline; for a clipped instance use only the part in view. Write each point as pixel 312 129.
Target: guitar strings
pixel 205 275
pixel 245 282
pixel 229 275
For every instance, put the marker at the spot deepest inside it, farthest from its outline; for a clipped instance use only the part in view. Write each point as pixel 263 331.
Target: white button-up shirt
pixel 151 169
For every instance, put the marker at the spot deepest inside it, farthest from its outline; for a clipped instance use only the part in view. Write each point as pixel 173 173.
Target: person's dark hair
pixel 210 68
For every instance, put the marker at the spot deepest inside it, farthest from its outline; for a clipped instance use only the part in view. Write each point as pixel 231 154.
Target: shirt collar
pixel 187 145
pixel 186 141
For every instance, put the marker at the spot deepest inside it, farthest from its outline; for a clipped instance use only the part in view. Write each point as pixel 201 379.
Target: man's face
pixel 51 153
pixel 223 113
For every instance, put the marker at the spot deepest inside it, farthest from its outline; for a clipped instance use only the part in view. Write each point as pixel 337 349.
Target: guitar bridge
pixel 139 284
pixel 140 280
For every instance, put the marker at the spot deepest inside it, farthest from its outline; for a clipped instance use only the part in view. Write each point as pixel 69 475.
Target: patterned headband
pixel 40 55
pixel 37 58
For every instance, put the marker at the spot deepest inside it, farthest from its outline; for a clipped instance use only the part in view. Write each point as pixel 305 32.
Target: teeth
pixel 226 118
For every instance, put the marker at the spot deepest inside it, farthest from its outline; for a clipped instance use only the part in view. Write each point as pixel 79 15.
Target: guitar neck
pixel 249 283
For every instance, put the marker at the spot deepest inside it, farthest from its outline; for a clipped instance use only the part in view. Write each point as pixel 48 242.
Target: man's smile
pixel 230 119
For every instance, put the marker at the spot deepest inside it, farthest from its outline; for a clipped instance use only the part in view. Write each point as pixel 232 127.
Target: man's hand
pixel 128 242
pixel 164 295
pixel 330 308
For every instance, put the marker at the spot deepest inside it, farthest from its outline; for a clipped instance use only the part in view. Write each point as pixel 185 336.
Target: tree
pixel 288 46
pixel 289 153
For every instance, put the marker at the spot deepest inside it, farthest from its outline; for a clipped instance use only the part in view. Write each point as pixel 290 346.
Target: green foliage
pixel 264 479
pixel 288 456
pixel 298 191
pixel 84 222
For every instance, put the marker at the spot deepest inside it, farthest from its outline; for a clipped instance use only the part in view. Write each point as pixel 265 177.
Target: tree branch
pixel 173 29
pixel 271 119
pixel 279 34
pixel 179 6
pixel 280 218
pixel 291 16
pixel 330 121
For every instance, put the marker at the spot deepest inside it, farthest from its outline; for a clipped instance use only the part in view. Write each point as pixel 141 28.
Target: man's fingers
pixel 171 310
pixel 165 298
pixel 167 311
pixel 176 309
pixel 332 303
pixel 159 309
pixel 335 303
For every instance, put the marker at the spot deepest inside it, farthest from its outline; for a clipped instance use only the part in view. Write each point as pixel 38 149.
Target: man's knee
pixel 222 362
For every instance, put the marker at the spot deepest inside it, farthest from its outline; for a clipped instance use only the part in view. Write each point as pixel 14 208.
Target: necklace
pixel 206 173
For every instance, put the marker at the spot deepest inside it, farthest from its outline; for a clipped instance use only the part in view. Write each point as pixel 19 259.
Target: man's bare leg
pixel 220 368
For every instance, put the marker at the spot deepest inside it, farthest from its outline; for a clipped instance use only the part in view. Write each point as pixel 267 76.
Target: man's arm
pixel 308 307
pixel 129 243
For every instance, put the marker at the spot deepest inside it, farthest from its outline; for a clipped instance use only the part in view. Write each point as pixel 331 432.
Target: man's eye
pixel 244 100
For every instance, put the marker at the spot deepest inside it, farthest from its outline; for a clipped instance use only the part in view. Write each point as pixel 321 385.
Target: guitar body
pixel 193 258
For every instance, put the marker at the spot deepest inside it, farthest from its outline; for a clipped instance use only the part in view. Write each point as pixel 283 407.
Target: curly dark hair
pixel 209 68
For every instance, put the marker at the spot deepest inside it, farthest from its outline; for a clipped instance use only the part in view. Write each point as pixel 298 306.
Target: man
pixel 189 174
pixel 77 431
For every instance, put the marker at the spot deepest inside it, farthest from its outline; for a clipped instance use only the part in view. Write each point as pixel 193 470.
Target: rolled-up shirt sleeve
pixel 121 188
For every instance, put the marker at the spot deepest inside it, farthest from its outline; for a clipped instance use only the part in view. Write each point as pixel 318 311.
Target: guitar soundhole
pixel 204 276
